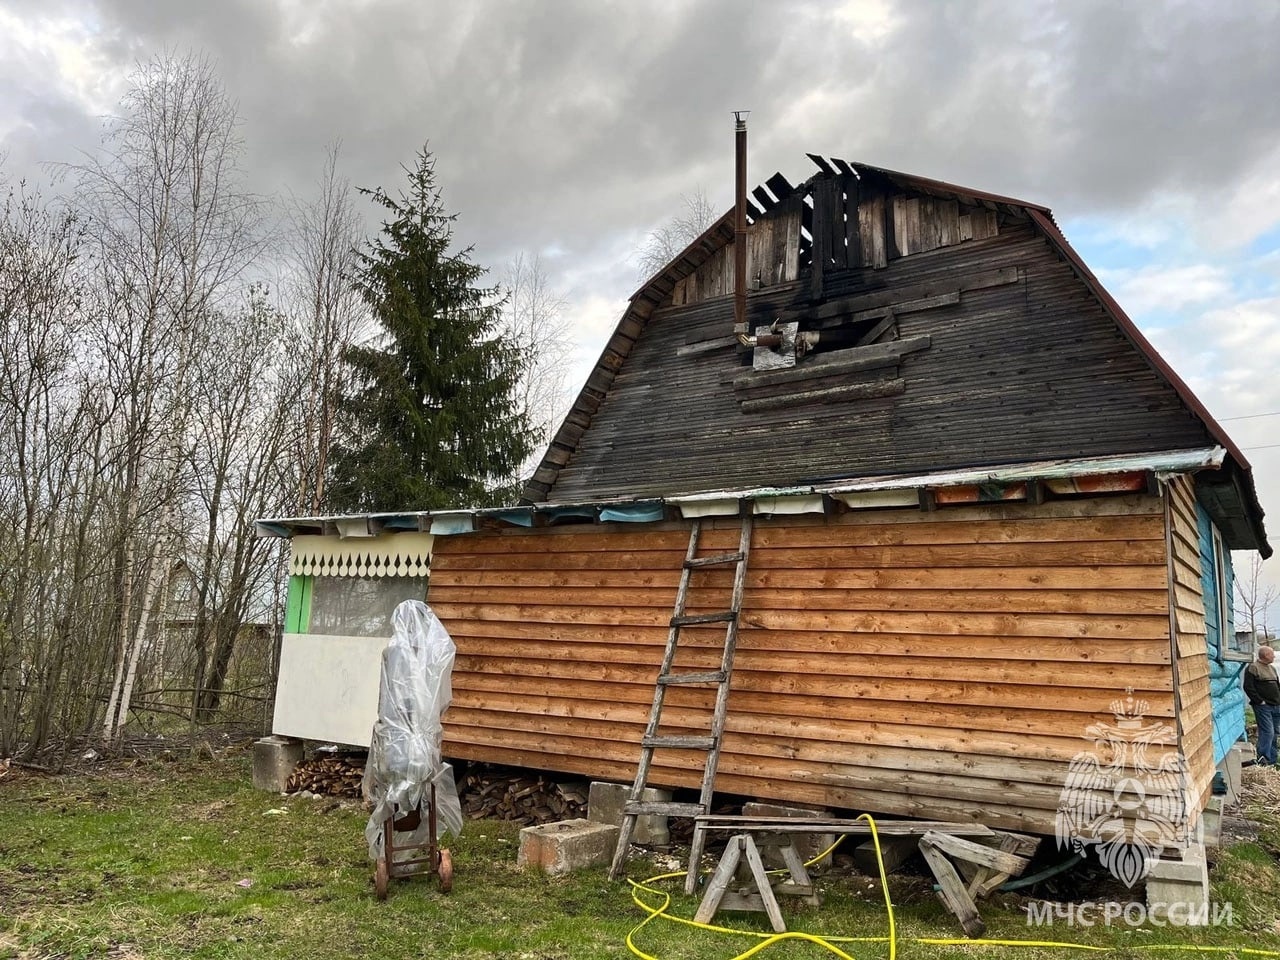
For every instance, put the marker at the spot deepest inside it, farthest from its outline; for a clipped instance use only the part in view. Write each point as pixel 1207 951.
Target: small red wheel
pixel 446 871
pixel 380 877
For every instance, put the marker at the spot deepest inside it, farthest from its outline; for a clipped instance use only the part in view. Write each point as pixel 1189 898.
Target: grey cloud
pixel 561 123
pixel 575 125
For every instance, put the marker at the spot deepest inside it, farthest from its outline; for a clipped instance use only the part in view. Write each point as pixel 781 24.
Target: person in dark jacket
pixel 1262 687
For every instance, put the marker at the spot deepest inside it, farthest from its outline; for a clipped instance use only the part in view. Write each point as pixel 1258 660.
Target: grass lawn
pixel 182 858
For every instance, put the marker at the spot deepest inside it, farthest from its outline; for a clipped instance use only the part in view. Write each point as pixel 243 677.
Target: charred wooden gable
pixel 923 326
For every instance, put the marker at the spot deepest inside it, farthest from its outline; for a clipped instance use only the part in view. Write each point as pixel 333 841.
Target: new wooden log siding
pixel 940 665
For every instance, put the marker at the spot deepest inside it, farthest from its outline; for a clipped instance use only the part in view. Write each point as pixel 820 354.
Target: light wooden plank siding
pixel 938 665
pixel 1187 598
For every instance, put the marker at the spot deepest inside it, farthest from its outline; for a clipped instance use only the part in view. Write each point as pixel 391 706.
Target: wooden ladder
pixel 652 740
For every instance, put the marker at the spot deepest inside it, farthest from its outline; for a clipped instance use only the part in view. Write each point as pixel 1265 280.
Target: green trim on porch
pixel 297 617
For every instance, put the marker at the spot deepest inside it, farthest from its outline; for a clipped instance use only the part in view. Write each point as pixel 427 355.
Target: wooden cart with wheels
pixel 433 859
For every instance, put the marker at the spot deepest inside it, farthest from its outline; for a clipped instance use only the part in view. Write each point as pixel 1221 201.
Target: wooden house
pixel 985 512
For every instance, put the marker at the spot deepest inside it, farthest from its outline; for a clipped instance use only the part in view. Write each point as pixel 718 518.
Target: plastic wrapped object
pixel 404 751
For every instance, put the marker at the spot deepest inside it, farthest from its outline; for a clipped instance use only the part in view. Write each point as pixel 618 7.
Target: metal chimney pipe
pixel 740 224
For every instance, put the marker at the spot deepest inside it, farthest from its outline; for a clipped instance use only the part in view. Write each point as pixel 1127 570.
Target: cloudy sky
pixel 572 129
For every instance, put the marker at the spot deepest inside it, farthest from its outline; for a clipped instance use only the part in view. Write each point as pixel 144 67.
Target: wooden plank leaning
pixel 988 866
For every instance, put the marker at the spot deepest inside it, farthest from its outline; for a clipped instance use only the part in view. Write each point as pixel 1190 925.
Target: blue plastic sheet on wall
pixel 1226 695
pixel 401 523
pixel 452 523
pixel 633 513
pixel 564 513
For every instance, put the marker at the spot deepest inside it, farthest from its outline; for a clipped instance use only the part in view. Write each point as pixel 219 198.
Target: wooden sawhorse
pixel 750 835
pixel 760 893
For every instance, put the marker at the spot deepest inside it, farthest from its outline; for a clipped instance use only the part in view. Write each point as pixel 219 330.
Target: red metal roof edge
pixel 943 187
pixel 1044 221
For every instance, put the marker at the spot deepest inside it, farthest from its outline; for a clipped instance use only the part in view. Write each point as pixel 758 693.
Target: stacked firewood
pixel 486 791
pixel 330 776
pixel 523 797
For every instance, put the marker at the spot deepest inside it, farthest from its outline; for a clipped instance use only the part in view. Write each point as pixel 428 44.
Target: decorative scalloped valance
pixel 390 555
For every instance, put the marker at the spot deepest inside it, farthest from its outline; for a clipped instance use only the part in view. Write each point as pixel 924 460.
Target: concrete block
pixel 605 803
pixel 274 759
pixel 1211 821
pixel 808 845
pixel 557 848
pixel 895 850
pixel 1231 765
pixel 1178 890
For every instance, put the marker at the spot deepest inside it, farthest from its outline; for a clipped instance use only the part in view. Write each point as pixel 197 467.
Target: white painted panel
pixel 881 498
pixel 388 555
pixel 777 506
pixel 328 687
pixel 709 508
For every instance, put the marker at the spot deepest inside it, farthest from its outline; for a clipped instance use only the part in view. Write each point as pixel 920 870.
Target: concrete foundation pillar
pixel 605 804
pixel 274 759
pixel 1230 768
pixel 894 850
pixel 807 845
pixel 1211 823
pixel 1178 890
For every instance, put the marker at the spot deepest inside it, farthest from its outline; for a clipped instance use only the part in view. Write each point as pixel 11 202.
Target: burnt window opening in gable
pixel 810 340
pixel 790 367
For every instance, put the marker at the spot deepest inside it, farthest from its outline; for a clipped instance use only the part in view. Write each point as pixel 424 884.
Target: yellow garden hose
pixel 768 940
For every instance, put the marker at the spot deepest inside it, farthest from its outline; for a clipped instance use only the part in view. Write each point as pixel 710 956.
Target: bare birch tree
pixel 174 227
pixel 1254 597
pixel 245 411
pixel 328 316
pixel 670 238
pixel 533 320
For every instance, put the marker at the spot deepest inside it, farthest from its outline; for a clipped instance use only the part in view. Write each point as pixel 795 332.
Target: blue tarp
pixel 1226 693
pixel 444 524
pixel 561 513
pixel 634 513
pixel 401 523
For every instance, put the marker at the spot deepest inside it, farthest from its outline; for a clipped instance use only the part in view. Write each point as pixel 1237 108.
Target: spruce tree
pixel 432 420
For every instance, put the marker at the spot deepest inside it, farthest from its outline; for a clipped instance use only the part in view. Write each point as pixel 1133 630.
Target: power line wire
pixel 1250 416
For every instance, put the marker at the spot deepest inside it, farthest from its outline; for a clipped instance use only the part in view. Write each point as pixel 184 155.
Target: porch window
pixel 360 606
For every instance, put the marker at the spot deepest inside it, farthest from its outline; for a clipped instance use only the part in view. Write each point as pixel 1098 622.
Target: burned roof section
pixel 898 324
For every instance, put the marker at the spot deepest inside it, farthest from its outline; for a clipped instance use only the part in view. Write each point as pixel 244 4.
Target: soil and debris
pixel 1259 789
